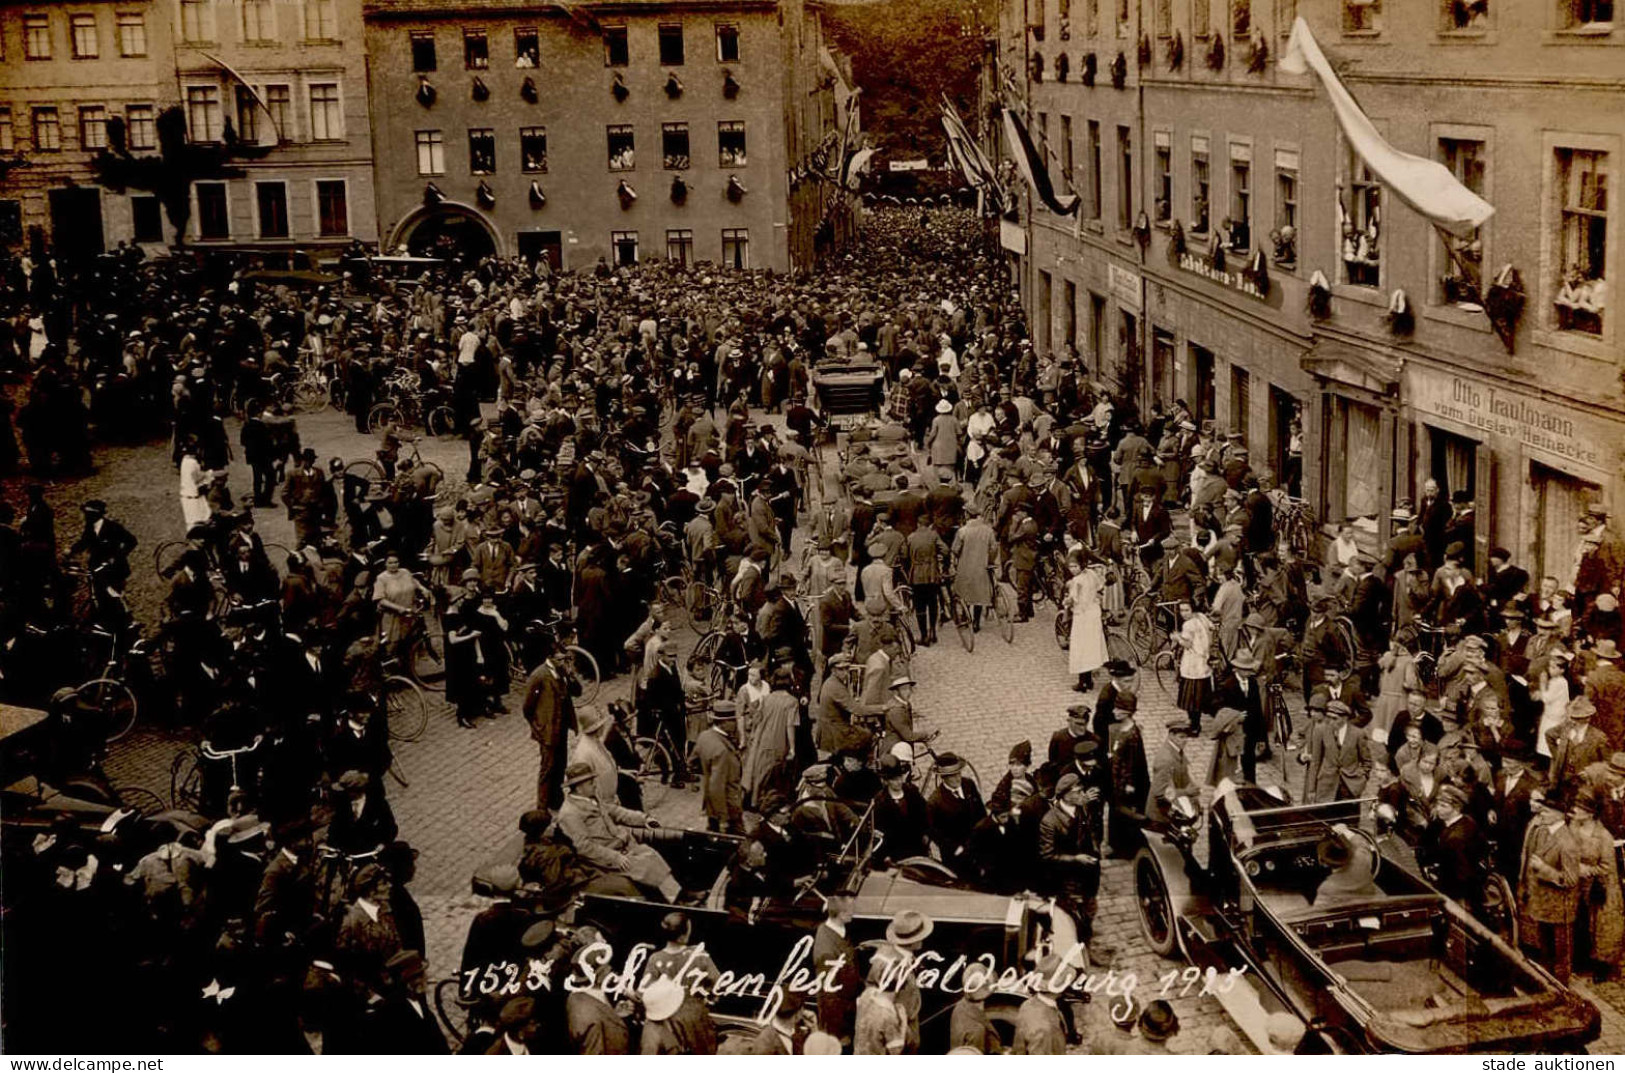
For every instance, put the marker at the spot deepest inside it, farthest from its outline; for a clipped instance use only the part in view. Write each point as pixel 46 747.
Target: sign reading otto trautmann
pixel 1545 426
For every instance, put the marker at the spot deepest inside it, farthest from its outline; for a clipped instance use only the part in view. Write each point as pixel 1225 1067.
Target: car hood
pixel 884 894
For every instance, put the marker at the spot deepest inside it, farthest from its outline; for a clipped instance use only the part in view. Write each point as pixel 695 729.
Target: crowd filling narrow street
pixel 511 618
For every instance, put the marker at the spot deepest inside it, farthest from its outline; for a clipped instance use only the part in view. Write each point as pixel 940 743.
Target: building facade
pixel 1192 269
pixel 68 71
pixel 288 76
pixel 284 79
pixel 612 131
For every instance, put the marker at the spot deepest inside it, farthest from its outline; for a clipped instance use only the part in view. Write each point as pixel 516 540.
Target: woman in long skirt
pixel 1195 639
pixel 1086 651
pixel 1398 677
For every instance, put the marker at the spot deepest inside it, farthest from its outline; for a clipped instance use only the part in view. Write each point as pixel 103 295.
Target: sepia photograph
pixel 811 527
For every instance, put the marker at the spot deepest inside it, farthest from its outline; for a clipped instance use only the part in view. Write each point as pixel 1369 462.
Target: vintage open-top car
pixel 848 389
pixel 1014 931
pixel 1330 925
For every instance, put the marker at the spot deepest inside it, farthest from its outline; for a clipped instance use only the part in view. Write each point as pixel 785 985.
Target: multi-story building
pixel 68 70
pixel 1219 192
pixel 602 131
pixel 289 74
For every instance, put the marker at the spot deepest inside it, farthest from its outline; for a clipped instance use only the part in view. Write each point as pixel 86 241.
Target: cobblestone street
pixel 467 788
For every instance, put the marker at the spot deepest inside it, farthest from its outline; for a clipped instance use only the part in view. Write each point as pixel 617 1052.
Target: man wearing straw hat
pixel 608 837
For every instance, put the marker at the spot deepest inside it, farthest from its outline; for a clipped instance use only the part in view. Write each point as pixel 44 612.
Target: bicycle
pixel 958 612
pixel 111 702
pixel 186 776
pixel 656 753
pixel 335 873
pixel 577 662
pixel 925 773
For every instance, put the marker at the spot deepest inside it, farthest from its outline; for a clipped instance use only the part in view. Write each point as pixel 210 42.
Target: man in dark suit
pixel 1068 853
pixel 550 711
pixel 1260 529
pixel 1432 516
pixel 1504 583
pixel 1369 611
pixel 1129 777
pixel 1461 528
pixel 403 1023
pixel 1152 525
pixel 1063 743
pixel 837 1007
pixel 1245 694
pixel 664 704
pixel 106 544
pixel 997 857
pixel 1514 784
pixel 1451 849
pixel 900 813
pixel 310 500
pixel 953 809
pixel 1122 675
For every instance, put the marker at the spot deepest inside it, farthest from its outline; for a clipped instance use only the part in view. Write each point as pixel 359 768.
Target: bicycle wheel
pixel 1141 630
pixel 382 416
pixel 186 780
pixel 585 668
pixel 1427 672
pixel 654 771
pixel 1117 647
pixel 1004 611
pixel 111 704
pixel 366 469
pixel 962 624
pixel 168 554
pixel 428 663
pixel 721 681
pixel 442 421
pixel 336 394
pixel 925 773
pixel 311 396
pixel 1063 629
pixel 407 707
pixel 672 593
pixel 705 607
pixel 1280 721
pixel 1499 908
pixel 1053 584
pixel 141 799
pixel 704 654
pixel 448 994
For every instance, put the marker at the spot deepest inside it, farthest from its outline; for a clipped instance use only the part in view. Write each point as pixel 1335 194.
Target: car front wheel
pixel 1156 908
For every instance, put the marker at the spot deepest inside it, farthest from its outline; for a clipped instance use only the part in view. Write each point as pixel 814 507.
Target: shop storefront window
pixel 1360 457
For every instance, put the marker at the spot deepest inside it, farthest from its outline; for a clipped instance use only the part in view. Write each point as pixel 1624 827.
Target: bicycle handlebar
pixel 212 753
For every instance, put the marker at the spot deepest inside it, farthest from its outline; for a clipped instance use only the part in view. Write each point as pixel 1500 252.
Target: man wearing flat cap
pixel 1451 849
pixel 1069 849
pixel 1574 745
pixel 1342 757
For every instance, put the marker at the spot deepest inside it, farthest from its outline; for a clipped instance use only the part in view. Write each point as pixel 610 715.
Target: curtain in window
pixel 1560 500
pixel 1361 459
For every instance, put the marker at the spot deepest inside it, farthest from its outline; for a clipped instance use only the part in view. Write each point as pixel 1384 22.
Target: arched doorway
pixel 449 230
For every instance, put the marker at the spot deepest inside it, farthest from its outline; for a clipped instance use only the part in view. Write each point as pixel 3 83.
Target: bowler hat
pixel 949 764
pixel 1158 1022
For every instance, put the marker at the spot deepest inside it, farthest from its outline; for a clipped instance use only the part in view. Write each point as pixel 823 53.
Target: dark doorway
pixel 1202 366
pixel 1288 464
pixel 537 245
pixel 452 235
pixel 76 222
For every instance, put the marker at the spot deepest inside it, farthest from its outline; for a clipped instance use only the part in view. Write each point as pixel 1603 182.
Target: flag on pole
pixel 967 155
pixel 856 165
pixel 1424 185
pixel 1032 167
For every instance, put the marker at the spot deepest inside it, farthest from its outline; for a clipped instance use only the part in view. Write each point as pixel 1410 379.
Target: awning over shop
pixel 1331 359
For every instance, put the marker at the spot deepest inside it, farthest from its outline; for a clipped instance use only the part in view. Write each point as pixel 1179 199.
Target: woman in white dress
pixel 194 508
pixel 1552 687
pixel 748 702
pixel 1195 639
pixel 1086 650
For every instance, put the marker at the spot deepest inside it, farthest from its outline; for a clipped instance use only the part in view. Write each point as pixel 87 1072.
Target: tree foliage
pixel 178 165
pixel 906 55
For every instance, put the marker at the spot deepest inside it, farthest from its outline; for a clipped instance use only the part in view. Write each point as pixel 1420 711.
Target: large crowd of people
pixel 630 425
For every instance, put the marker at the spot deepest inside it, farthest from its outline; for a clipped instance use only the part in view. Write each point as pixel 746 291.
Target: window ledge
pixel 1468 37
pixel 1582 35
pixel 1289 267
pixel 201 44
pixel 1371 296
pixel 1094 227
pixel 1596 347
pixel 1125 239
pixel 1455 315
pixel 1361 35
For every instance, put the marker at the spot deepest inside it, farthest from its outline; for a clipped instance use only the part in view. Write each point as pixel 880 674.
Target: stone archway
pixel 449 229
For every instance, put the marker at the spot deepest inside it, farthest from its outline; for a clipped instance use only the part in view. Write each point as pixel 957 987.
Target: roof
pixel 393 9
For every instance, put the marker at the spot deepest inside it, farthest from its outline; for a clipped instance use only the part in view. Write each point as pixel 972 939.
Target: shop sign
pixel 909 165
pixel 1124 285
pixel 1546 427
pixel 1012 237
pixel 1244 283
